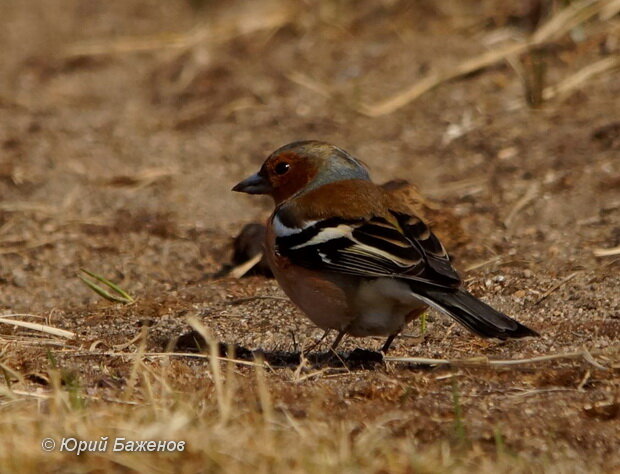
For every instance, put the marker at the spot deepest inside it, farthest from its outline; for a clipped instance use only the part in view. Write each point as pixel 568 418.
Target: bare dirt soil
pixel 123 126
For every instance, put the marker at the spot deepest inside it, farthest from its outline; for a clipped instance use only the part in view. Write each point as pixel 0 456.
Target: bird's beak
pixel 255 184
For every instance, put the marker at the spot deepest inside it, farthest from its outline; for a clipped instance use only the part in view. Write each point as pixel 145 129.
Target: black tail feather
pixel 474 314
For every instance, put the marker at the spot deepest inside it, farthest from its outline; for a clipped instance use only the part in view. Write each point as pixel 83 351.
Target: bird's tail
pixel 472 313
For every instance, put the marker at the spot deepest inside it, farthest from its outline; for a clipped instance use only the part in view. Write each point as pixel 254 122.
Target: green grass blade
pixel 103 293
pixel 117 289
pixel 118 295
pixel 459 422
pixel 423 321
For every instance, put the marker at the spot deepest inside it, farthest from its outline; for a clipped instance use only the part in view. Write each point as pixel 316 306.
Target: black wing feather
pixel 437 258
pixel 371 248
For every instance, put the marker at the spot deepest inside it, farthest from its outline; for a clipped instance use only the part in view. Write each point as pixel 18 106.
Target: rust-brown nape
pixel 349 199
pixel 302 170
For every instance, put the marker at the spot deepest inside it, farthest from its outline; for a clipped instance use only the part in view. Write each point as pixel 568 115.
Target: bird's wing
pixel 401 246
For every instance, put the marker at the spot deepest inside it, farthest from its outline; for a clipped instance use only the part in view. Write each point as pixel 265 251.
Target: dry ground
pixel 124 124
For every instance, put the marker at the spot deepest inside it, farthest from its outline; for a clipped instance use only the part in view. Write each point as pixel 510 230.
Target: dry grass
pixel 233 423
pixel 573 15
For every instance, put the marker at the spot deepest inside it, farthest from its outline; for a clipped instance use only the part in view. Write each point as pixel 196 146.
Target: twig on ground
pixel 606 252
pixel 142 178
pixel 246 266
pixel 481 362
pixel 39 327
pixel 531 393
pixel 164 354
pixel 584 380
pixel 574 81
pixel 21 315
pixel 588 357
pixel 29 207
pixel 254 298
pixel 582 76
pixel 527 199
pixel 484 263
pixel 261 16
pixel 121 347
pixel 461 189
pixel 17 248
pixel 45 396
pixel 33 341
pixel 316 373
pixel 303 80
pixel 556 287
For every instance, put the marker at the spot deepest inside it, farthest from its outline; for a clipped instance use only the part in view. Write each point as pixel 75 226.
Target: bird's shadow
pixel 193 342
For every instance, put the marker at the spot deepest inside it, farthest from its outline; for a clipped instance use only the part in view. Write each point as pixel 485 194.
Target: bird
pixel 355 258
pixel 249 242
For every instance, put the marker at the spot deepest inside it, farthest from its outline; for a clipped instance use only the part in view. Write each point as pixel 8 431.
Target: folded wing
pixel 402 247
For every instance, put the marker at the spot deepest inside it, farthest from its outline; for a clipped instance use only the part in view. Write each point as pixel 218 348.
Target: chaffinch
pixel 250 241
pixel 352 256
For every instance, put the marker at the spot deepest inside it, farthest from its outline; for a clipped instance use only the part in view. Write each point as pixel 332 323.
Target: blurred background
pixel 125 121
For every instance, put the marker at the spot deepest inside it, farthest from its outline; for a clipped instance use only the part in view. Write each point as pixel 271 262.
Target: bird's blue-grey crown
pixel 338 164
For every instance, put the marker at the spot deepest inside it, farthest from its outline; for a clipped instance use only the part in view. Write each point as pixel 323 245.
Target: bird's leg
pixel 410 317
pixel 333 354
pixel 316 344
pixel 388 343
pixel 337 340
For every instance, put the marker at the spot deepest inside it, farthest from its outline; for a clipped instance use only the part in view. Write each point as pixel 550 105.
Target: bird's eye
pixel 282 167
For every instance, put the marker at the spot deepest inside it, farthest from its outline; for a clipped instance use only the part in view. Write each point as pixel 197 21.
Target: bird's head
pixel 302 166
